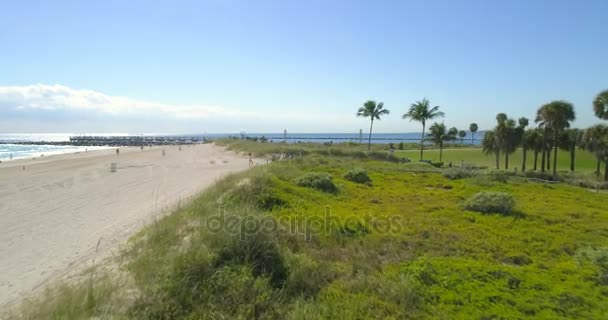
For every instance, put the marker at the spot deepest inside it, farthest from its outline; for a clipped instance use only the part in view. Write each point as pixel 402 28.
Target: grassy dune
pixel 267 245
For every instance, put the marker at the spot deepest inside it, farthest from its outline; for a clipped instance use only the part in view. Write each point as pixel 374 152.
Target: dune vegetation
pixel 359 238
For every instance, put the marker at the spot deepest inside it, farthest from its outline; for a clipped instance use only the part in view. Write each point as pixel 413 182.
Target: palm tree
pixel 595 140
pixel 557 116
pixel 569 140
pixel 421 111
pixel 438 134
pixel 490 144
pixel 508 135
pixel 461 135
pixel 535 142
pixel 372 110
pixel 600 105
pixel 500 130
pixel 473 128
pixel 527 143
pixel 518 137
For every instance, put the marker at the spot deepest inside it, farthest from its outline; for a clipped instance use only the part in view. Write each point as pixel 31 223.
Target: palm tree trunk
pixel 555 157
pixel 472 138
pixel 506 160
pixel 422 141
pixel 497 159
pixel 535 159
pixel 369 141
pixel 441 152
pixel 572 156
pixel 597 169
pixel 606 170
pixel 542 159
pixel 549 158
pixel 523 162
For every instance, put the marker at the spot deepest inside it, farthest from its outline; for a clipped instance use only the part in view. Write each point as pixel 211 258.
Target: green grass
pixel 401 247
pixel 585 161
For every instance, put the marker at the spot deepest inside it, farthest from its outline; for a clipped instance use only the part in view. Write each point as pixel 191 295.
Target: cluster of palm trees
pixel 552 133
pixel 422 112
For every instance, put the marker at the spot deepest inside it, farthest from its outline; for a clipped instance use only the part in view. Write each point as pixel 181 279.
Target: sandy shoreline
pixel 54 213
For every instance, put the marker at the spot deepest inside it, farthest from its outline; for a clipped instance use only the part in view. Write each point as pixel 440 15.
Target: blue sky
pixel 261 66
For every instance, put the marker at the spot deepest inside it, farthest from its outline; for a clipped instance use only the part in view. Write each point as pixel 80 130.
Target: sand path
pixel 54 213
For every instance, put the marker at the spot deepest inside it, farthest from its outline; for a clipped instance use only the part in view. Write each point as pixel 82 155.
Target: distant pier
pixel 117 141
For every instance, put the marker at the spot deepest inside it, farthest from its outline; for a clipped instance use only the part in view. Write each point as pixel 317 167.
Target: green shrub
pixel 306 275
pixel 254 191
pixel 317 180
pixel 358 176
pixel 599 257
pixel 459 173
pixel 437 164
pixel 501 176
pixel 258 250
pixel 490 202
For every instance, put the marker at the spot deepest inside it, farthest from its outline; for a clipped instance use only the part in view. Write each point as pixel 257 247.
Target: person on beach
pixel 117 151
pixel 250 160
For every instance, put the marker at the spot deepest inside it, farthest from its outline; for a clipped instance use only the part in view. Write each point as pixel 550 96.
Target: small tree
pixel 490 145
pixel 421 111
pixel 438 134
pixel 372 110
pixel 461 135
pixel 595 140
pixel 473 128
pixel 600 105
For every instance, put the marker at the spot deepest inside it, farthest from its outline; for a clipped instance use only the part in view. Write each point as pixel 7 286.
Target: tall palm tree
pixel 473 127
pixel 595 140
pixel 527 143
pixel 372 110
pixel 461 135
pixel 569 140
pixel 557 116
pixel 508 135
pixel 600 105
pixel 438 134
pixel 516 138
pixel 421 111
pixel 535 142
pixel 490 144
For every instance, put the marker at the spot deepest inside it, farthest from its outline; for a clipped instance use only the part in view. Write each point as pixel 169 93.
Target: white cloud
pixel 57 108
pixel 61 98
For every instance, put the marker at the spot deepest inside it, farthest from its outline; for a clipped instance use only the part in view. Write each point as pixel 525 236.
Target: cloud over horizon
pixel 61 98
pixel 58 108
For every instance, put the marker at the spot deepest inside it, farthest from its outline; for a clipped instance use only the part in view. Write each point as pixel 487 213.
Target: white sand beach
pixel 54 213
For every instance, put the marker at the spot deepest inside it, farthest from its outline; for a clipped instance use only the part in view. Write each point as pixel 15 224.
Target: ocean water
pixel 8 148
pixel 11 151
pixel 20 151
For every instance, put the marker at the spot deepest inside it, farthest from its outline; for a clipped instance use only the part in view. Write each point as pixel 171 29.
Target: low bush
pixel 437 164
pixel 501 176
pixel 459 173
pixel 307 276
pixel 358 176
pixel 317 180
pixel 491 202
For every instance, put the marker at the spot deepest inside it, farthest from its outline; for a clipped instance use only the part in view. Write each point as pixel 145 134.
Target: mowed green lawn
pixel 585 161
